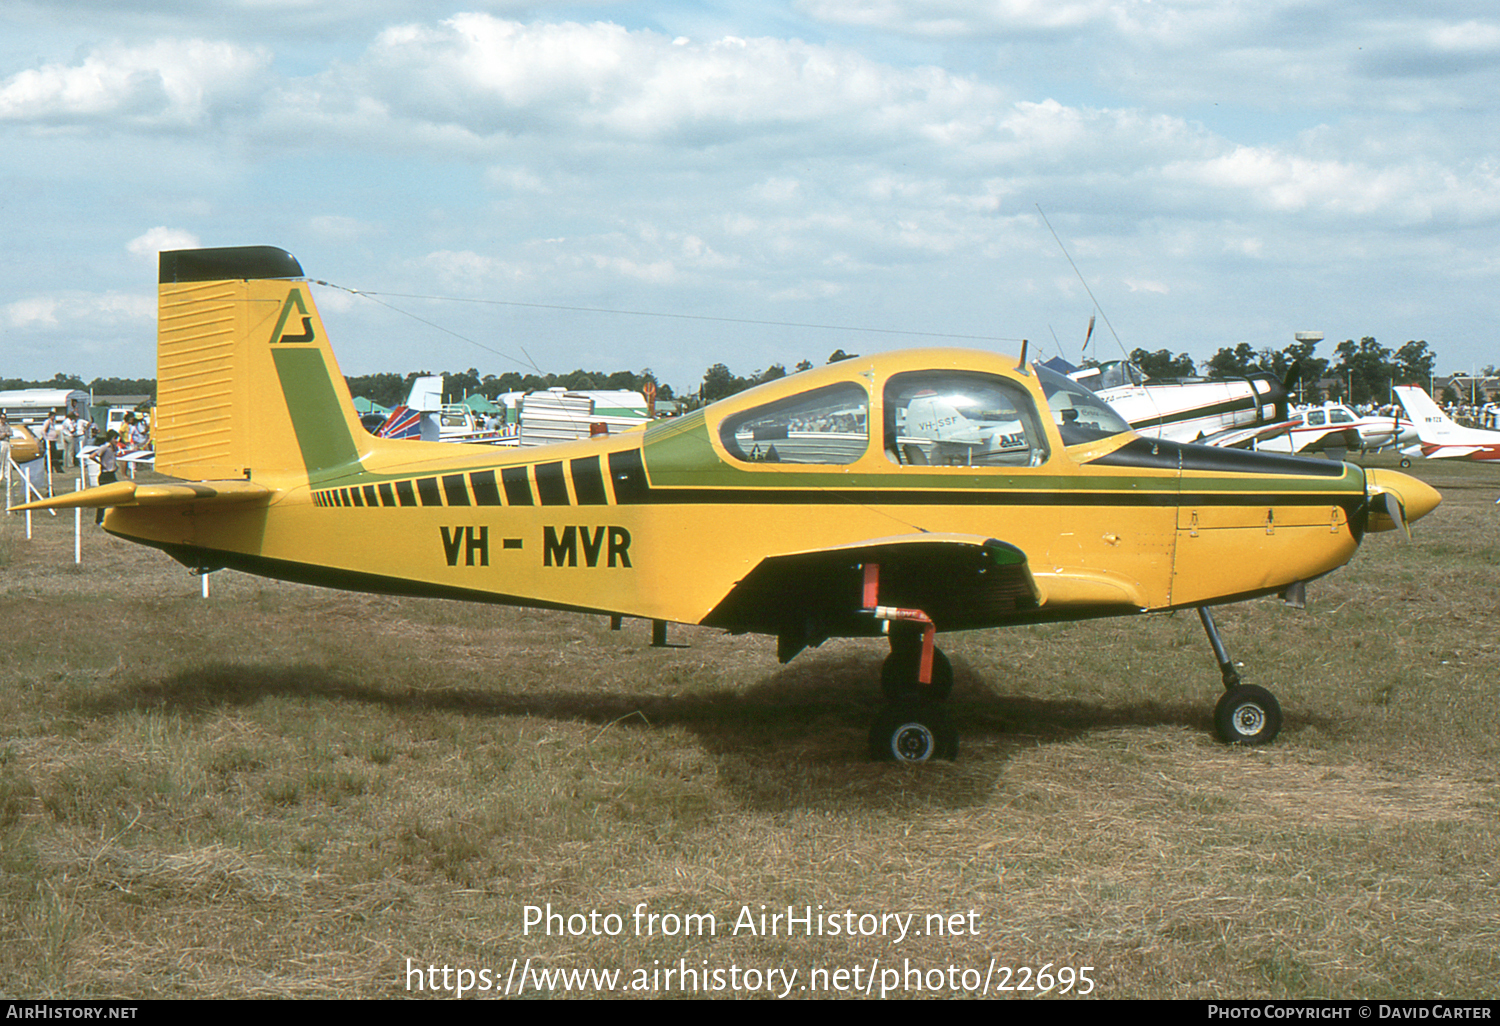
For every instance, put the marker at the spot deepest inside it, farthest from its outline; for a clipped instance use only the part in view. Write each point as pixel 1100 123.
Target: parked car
pixel 24 446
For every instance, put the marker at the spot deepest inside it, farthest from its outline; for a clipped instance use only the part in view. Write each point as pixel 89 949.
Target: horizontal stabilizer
pixel 1452 452
pixel 128 493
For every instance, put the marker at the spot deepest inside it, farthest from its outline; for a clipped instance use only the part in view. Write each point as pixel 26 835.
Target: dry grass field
pixel 279 791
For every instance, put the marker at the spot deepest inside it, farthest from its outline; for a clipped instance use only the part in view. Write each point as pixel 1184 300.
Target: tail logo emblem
pixel 279 334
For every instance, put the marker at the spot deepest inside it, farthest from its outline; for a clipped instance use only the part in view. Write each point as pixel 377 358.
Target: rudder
pixel 247 385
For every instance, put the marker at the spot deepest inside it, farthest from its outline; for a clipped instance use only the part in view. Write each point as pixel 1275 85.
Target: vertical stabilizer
pixel 1431 422
pixel 247 385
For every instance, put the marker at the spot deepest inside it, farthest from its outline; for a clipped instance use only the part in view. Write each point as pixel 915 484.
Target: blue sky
pixel 1220 172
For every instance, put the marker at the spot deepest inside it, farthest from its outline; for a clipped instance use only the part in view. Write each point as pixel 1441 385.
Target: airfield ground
pixel 279 791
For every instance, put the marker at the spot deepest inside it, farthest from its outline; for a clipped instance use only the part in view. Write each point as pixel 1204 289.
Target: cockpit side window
pixel 961 419
pixel 1080 415
pixel 825 426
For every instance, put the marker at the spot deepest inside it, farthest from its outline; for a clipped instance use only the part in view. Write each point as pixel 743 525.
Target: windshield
pixel 1080 415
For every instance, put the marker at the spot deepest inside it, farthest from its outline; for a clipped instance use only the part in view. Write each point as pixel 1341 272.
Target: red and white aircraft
pixel 1334 428
pixel 1440 438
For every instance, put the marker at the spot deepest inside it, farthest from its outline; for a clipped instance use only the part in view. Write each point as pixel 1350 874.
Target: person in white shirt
pixel 52 441
pixel 105 457
pixel 70 433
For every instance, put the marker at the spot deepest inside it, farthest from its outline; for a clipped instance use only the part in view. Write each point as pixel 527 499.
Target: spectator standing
pixel 71 433
pixel 5 453
pixel 52 441
pixel 106 456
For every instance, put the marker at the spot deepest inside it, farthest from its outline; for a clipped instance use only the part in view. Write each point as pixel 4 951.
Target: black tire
pixel 1247 715
pixel 913 732
pixel 898 676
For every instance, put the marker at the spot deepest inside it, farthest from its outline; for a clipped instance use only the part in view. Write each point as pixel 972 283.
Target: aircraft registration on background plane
pixel 1438 436
pixel 896 495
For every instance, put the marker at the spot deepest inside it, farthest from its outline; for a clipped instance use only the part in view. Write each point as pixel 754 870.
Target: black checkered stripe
pixel 576 482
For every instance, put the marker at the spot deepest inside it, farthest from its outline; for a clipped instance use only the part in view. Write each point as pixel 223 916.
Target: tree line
pixel 392 389
pixel 99 386
pixel 1359 372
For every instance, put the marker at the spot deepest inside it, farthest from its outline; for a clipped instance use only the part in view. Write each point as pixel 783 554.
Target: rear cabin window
pixel 825 426
pixel 961 419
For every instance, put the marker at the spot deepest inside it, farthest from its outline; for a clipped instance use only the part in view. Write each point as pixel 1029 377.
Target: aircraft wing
pixel 1332 438
pixel 128 493
pixel 1244 437
pixel 960 581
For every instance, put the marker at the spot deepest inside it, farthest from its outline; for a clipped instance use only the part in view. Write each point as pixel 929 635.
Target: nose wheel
pixel 1246 714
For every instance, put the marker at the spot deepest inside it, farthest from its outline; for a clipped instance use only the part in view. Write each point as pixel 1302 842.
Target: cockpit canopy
pixel 944 416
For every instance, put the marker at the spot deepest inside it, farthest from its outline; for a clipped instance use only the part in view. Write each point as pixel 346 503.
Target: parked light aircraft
pixel 1234 412
pixel 1335 429
pixel 900 495
pixel 1439 437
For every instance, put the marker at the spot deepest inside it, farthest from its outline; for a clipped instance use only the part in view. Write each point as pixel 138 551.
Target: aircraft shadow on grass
pixel 799 715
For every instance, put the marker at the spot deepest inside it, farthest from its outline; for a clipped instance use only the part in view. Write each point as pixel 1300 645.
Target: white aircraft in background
pixel 1232 412
pixel 1439 437
pixel 1335 429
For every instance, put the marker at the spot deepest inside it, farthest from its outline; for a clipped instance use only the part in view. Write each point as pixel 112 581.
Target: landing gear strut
pixel 915 678
pixel 1246 714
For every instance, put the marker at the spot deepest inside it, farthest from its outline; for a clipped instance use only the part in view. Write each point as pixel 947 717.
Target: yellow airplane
pixel 898 495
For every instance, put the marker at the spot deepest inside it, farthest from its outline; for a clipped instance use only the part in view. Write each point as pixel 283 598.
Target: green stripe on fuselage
pixel 317 418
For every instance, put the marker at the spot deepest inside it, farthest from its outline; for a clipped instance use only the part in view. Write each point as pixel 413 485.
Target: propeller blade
pixel 1293 375
pixel 1396 510
pixel 1397 500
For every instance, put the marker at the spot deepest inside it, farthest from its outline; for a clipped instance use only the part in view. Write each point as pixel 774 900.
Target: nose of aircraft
pixel 1413 499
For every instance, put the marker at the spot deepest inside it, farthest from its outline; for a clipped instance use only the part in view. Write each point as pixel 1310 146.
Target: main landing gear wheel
pixel 913 732
pixel 899 672
pixel 1247 715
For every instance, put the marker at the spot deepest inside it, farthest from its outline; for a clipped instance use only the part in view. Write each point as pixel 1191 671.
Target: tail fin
pixel 1428 418
pixel 417 417
pixel 247 385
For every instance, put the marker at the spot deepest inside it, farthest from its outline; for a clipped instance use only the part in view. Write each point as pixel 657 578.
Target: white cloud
pixel 173 83
pixel 161 239
pixel 33 312
pixel 944 18
pixel 495 79
pixel 74 309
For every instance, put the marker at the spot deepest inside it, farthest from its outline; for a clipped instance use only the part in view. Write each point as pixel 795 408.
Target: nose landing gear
pixel 1246 714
